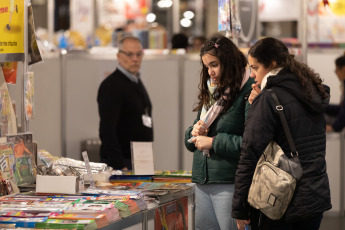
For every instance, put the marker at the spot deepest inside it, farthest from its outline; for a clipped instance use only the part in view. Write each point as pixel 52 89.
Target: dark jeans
pixel 312 223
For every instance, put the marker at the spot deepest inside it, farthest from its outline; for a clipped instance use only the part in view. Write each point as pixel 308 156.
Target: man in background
pixel 179 41
pixel 198 42
pixel 124 107
pixel 335 114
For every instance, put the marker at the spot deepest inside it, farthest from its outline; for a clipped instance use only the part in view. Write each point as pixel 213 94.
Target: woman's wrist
pixel 212 140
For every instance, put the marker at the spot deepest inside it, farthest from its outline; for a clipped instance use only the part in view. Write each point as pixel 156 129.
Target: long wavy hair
pixel 271 49
pixel 232 69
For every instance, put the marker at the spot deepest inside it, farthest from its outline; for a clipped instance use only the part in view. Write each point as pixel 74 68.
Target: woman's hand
pixel 203 142
pixel 241 224
pixel 329 128
pixel 199 129
pixel 255 92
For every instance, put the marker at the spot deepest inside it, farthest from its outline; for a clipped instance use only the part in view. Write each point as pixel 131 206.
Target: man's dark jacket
pixel 121 105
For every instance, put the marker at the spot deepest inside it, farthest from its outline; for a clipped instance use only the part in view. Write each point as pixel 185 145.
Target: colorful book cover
pixel 8 123
pixel 29 101
pixel 46 157
pixel 88 208
pixel 173 215
pixel 78 216
pixel 29 215
pixel 10 71
pixel 67 224
pixel 113 198
pixel 22 222
pixel 123 209
pixel 165 185
pixel 34 51
pixel 7 160
pixel 130 178
pixel 100 219
pixel 24 172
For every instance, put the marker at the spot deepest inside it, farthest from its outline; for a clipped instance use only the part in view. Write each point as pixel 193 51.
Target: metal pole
pixel 63 102
pixel 199 15
pixel 24 122
pixel 342 173
pixel 181 61
pixel 50 11
pixel 303 30
pixel 176 17
pixel 144 220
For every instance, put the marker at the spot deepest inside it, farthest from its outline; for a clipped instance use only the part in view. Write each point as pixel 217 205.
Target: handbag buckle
pixel 295 154
pixel 279 107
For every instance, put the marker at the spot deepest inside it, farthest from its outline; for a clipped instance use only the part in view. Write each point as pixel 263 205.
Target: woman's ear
pixel 273 65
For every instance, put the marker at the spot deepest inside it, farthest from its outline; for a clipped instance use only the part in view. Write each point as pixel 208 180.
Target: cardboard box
pixel 59 184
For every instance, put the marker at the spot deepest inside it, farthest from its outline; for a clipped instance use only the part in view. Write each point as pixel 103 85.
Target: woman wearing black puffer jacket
pixel 304 99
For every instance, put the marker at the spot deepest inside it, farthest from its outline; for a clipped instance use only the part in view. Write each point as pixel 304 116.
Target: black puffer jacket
pixel 307 125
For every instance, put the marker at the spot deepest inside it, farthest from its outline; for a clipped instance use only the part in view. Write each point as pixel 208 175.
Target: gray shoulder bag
pixel 275 177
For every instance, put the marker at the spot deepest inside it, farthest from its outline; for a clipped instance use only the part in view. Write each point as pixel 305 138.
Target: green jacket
pixel 227 131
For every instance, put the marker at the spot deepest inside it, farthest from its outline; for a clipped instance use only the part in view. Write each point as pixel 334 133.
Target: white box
pixel 58 184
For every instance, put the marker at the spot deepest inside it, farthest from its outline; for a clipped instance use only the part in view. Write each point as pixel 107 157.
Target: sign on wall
pixel 11 30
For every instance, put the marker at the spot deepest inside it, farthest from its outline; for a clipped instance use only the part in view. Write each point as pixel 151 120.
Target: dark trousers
pixel 128 163
pixel 264 223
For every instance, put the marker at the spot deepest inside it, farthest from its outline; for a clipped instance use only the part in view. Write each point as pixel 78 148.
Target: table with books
pixel 122 201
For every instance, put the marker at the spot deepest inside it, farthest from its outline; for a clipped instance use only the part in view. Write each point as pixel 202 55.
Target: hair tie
pixel 216 45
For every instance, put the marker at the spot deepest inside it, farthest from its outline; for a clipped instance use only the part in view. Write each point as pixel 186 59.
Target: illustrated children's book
pixel 24 171
pixel 7 160
pixel 173 215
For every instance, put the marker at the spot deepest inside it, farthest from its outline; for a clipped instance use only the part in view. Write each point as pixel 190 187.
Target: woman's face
pixel 257 70
pixel 213 67
pixel 340 72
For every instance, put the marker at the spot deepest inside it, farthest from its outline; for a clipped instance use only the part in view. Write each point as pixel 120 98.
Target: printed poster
pixel 224 15
pixel 331 18
pixel 11 30
pixel 136 9
pixel 82 17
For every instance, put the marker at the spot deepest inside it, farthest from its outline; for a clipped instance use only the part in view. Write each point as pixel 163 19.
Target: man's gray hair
pixel 128 37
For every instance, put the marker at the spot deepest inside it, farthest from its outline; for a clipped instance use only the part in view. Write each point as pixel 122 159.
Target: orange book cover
pixel 173 215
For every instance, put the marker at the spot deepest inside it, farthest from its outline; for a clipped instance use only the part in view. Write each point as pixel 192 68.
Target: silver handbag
pixel 275 177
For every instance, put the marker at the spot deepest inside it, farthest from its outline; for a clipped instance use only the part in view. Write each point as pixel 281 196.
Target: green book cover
pixel 68 224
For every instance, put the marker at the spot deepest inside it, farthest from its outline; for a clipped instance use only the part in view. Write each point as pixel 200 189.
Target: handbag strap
pixel 279 108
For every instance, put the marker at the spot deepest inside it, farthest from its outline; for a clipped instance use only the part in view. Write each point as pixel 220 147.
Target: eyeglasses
pixel 131 55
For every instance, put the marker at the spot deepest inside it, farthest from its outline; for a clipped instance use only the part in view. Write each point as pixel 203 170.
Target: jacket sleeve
pixel 339 122
pixel 259 131
pixel 332 110
pixel 227 145
pixel 190 146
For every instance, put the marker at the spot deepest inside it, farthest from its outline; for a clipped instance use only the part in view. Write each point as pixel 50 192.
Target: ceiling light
pixel 185 22
pixel 150 17
pixel 188 14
